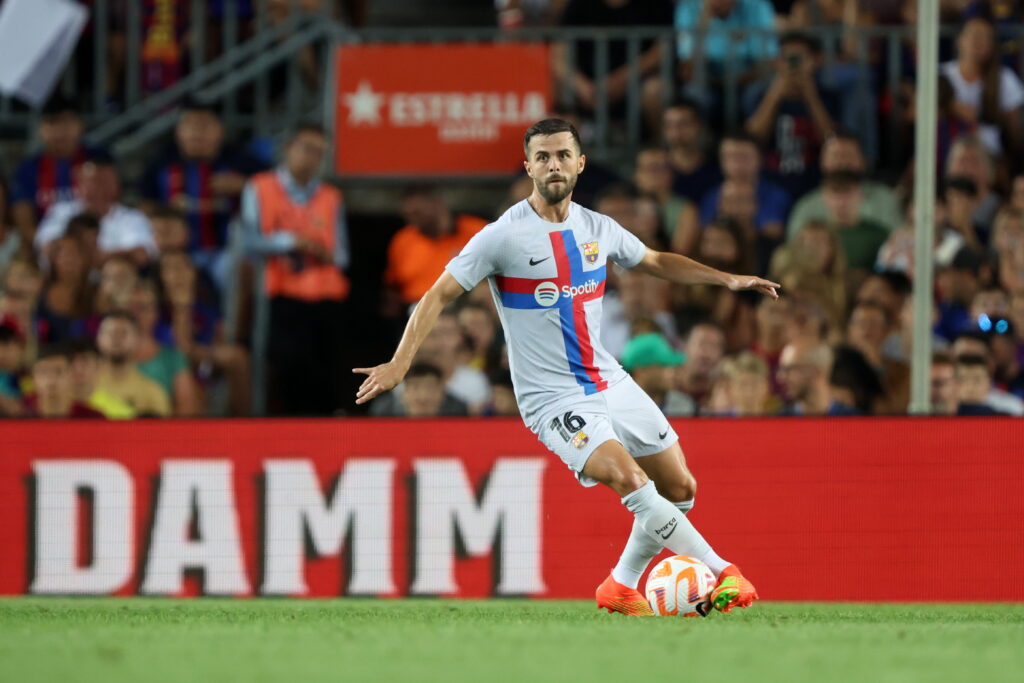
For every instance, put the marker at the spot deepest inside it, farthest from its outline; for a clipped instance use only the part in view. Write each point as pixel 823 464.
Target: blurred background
pixel 219 207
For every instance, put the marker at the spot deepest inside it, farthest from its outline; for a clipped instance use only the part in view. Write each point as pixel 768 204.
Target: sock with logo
pixel 666 525
pixel 639 551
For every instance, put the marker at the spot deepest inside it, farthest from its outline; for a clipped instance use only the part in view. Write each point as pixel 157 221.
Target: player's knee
pixel 625 480
pixel 682 489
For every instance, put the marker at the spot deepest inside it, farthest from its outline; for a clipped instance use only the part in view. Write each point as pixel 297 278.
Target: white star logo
pixel 364 105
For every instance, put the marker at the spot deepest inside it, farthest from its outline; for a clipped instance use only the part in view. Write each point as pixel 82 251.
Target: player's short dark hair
pixel 551 127
pixel 424 370
pixel 82 222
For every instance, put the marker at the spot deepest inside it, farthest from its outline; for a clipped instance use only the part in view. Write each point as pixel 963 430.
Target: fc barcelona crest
pixel 590 252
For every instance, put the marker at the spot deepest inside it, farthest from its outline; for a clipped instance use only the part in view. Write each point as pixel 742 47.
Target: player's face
pixel 554 162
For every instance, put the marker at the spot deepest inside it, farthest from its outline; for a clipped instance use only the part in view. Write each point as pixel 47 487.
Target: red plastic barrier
pixel 842 509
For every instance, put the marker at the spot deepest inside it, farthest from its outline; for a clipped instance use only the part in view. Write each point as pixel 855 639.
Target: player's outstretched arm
pixel 686 271
pixel 386 376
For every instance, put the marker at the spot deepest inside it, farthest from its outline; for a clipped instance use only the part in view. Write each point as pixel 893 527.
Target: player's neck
pixel 552 213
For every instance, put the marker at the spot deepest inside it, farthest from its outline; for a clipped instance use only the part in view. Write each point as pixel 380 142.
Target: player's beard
pixel 558 192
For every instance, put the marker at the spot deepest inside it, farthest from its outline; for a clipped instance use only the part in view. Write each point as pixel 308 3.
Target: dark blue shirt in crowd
pixel 772 204
pixel 953 319
pixel 694 186
pixel 186 184
pixel 44 180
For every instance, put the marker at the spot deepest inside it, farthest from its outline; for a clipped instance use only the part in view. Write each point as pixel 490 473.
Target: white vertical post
pixel 924 203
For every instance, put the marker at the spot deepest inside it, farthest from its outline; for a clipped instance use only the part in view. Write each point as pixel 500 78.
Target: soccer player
pixel 545 260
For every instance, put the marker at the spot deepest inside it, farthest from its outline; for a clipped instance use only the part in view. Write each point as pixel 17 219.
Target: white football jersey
pixel 547 280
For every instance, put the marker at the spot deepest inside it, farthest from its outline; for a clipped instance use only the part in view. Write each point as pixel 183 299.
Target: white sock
pixel 667 526
pixel 639 551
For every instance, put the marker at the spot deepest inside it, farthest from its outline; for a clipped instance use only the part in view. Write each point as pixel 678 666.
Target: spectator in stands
pixel 12 364
pixel 841 151
pixel 814 260
pixel 684 133
pixel 422 395
pixel 123 231
pixel 897 254
pixel 943 384
pixel 85 227
pixel 793 114
pixel 170 229
pixel 973 383
pixel 725 246
pixel 48 177
pixel 704 348
pixel 447 349
pixel 1016 316
pixel 22 286
pixel 85 367
pixel 962 201
pixel 977 343
pixel 741 167
pixel 866 331
pixel 54 394
pixel 854 387
pixel 987 92
pixel 479 324
pixel 890 290
pixel 651 362
pixel 68 296
pixel 191 322
pixel 803 373
pixel 117 279
pixel 419 252
pixel 859 238
pixel 503 397
pixel 742 388
pixel 582 75
pixel 297 222
pixel 162 363
pixel 1008 245
pixel 710 29
pixel 10 240
pixel 637 297
pixel 969 159
pixel 957 286
pixel 119 375
pixel 202 177
pixel 1006 358
pixel 653 178
pixel 621 203
pixel 771 335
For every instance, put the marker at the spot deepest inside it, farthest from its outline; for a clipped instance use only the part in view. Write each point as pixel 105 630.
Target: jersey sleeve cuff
pixel 460 278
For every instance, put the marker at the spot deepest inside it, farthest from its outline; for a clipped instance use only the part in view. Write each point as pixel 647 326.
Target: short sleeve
pixel 476 261
pixel 1011 91
pixel 624 247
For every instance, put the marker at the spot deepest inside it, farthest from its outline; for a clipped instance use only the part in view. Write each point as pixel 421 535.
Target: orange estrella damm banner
pixel 418 108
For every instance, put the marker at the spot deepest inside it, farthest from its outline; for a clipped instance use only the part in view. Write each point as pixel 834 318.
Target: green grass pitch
pixel 113 640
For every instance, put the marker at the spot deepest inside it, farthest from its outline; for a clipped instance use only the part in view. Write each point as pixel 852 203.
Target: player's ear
pixel 526 165
pixel 581 163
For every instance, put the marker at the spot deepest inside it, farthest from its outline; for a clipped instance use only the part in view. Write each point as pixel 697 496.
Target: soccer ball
pixel 680 586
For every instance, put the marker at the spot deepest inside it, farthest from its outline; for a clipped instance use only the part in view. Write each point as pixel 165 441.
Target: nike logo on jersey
pixel 663 434
pixel 533 263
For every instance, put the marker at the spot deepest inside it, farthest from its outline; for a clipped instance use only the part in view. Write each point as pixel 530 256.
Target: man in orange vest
pixel 297 223
pixel 419 252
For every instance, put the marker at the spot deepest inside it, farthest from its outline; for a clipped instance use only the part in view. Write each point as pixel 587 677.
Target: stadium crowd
pixel 118 310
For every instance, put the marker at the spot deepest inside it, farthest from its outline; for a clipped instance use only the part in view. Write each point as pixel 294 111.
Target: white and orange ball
pixel 680 586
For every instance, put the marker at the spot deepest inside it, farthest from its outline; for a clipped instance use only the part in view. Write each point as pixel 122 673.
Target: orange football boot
pixel 614 597
pixel 733 590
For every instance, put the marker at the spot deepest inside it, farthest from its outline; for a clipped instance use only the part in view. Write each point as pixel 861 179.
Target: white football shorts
pixel 622 412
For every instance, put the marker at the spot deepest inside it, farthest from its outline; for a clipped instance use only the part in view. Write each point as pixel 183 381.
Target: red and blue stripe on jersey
pixel 518 292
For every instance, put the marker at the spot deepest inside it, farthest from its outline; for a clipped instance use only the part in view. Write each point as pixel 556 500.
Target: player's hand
pixel 379 379
pixel 767 287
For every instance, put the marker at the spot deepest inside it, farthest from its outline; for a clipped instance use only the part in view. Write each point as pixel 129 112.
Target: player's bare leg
pixel 675 482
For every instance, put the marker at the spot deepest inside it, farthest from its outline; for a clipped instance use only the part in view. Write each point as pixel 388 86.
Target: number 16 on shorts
pixel 570 427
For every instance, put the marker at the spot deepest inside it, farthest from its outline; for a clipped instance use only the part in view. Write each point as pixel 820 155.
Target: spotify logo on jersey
pixel 546 294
